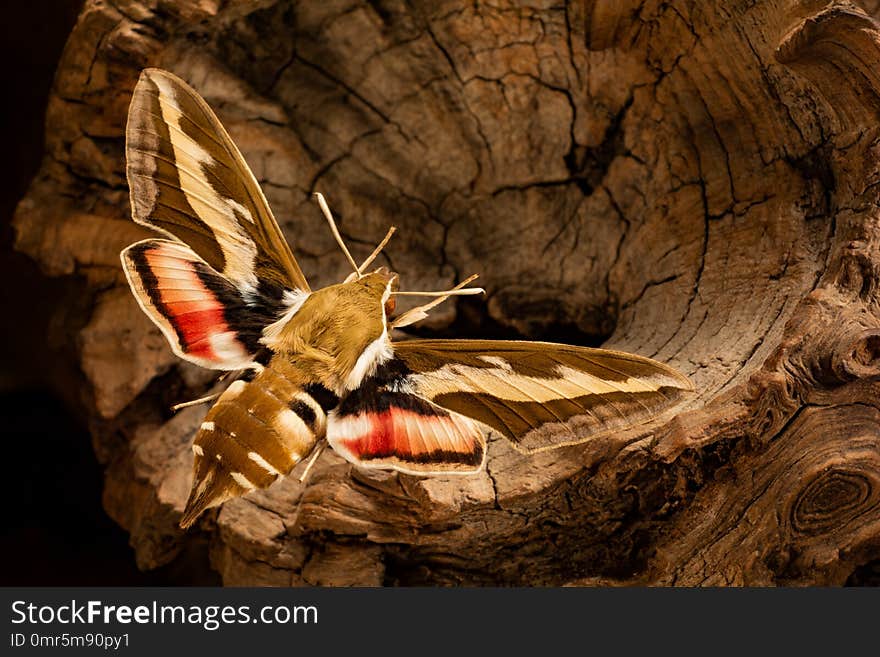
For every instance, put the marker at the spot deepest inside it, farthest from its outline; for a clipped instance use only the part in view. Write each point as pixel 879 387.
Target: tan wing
pixel 539 395
pixel 189 180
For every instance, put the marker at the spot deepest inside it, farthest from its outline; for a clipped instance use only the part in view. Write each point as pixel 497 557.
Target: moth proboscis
pixel 223 286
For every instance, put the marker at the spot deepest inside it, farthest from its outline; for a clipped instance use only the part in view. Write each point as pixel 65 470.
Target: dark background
pixel 54 530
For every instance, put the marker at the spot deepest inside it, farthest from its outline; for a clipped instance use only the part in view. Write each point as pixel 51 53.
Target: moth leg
pixel 419 313
pixel 312 459
pixel 196 402
pixel 208 398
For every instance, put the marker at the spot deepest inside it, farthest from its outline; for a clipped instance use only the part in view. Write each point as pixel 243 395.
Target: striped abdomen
pixel 256 432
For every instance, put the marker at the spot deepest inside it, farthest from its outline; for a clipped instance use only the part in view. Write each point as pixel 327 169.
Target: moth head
pixel 380 284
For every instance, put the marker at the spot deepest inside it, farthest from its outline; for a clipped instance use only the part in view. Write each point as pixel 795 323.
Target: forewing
pixel 539 395
pixel 376 427
pixel 189 180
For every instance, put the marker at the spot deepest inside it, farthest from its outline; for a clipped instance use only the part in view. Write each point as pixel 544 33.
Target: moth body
pixel 340 333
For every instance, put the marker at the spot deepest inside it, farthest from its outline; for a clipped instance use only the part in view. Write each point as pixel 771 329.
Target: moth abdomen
pixel 257 431
pixel 306 413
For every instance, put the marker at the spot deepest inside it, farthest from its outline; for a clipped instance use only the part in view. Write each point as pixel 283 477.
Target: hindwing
pixel 204 317
pixel 376 426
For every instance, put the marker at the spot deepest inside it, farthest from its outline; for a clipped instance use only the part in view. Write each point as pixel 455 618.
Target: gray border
pixel 492 620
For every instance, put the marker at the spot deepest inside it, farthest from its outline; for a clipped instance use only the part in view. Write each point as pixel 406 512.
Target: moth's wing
pixel 202 314
pixel 189 180
pixel 537 394
pixel 257 431
pixel 376 427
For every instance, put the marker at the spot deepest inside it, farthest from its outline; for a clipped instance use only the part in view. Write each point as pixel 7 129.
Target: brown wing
pixel 539 395
pixel 188 180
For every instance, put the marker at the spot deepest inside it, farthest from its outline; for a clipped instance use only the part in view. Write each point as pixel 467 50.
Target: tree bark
pixel 696 182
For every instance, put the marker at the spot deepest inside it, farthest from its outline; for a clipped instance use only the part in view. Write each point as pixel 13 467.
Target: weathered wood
pixel 694 181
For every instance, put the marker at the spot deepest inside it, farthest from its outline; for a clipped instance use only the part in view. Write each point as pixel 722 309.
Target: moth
pixel 223 286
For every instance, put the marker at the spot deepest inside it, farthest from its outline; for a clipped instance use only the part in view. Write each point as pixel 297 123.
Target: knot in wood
pixel 829 500
pixel 862 359
pixel 842 353
pixel 773 396
pixel 856 355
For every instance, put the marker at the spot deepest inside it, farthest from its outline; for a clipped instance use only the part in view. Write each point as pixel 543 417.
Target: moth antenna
pixel 195 402
pixel 329 216
pixel 315 454
pixel 378 249
pixel 418 313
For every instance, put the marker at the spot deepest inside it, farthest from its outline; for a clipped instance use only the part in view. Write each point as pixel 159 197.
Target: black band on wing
pixel 435 457
pixel 380 399
pixel 247 317
pixel 383 391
